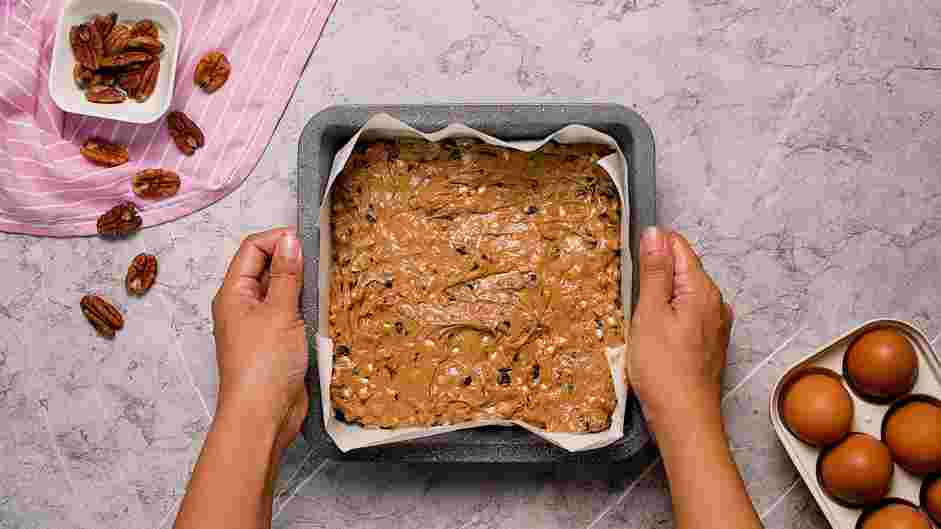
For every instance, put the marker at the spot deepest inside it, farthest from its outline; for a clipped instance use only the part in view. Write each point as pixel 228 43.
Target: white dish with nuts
pixel 81 92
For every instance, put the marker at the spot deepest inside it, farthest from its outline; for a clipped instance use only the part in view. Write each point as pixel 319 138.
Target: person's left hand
pixel 261 347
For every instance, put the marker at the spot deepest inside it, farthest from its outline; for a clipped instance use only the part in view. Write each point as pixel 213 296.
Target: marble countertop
pixel 798 144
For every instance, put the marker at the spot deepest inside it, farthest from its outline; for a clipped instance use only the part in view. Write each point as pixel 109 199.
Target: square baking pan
pixel 330 129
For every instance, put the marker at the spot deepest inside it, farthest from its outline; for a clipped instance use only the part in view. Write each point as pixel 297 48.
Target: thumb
pixel 656 270
pixel 287 274
pixel 692 285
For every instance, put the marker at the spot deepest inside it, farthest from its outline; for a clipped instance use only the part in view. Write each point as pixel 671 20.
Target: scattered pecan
pixel 105 23
pixel 186 134
pixel 212 71
pixel 117 40
pixel 141 274
pixel 102 315
pixel 103 152
pixel 147 44
pixel 86 45
pixel 145 28
pixel 120 221
pixel 155 184
pixel 104 94
pixel 127 58
pixel 148 82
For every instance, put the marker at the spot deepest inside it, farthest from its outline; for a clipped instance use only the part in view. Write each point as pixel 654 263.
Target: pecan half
pixel 130 81
pixel 103 78
pixel 82 75
pixel 155 184
pixel 141 274
pixel 117 40
pixel 86 78
pixel 104 94
pixel 212 71
pixel 105 23
pixel 147 44
pixel 127 58
pixel 120 221
pixel 106 319
pixel 186 134
pixel 86 45
pixel 145 28
pixel 103 152
pixel 148 82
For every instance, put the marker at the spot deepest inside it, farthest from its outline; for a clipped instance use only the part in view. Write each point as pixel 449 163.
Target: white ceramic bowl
pixel 70 98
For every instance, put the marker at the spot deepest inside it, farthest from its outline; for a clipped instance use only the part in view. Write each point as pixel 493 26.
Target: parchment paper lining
pixel 383 126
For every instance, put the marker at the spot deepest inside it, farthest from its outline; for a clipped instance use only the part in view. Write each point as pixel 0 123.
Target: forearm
pixel 233 481
pixel 705 484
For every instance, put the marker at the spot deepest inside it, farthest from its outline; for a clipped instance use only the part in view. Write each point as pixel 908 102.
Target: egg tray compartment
pixel 867 416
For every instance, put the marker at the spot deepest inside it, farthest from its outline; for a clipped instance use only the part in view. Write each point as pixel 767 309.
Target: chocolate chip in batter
pixel 371 215
pixel 400 327
pixel 535 372
pixel 532 210
pixel 461 250
pixel 342 350
pixel 467 381
pixel 504 378
pixel 455 153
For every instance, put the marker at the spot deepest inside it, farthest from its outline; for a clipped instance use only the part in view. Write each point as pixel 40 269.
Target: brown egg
pixel 818 409
pixel 897 516
pixel 881 364
pixel 931 499
pixel 858 471
pixel 912 432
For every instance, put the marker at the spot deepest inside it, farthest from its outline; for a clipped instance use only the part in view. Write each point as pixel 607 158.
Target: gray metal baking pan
pixel 326 132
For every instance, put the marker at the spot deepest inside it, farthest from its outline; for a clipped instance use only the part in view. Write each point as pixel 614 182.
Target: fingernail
pixel 653 241
pixel 289 247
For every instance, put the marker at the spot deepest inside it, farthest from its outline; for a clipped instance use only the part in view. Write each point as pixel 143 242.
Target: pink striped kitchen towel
pixel 47 188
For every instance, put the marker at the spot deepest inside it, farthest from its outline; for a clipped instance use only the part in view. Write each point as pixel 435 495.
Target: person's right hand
pixel 679 333
pixel 261 347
